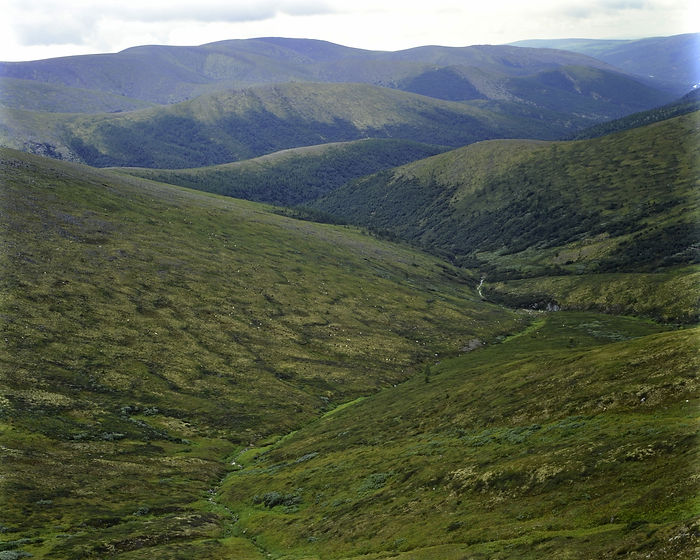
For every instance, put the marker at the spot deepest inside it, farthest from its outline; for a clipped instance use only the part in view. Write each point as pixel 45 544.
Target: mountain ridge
pixel 295 175
pixel 237 124
pixel 167 74
pixel 669 61
pixel 250 62
pixel 506 220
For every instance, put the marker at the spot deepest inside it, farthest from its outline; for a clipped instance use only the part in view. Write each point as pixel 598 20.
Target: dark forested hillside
pixel 298 175
pixel 626 202
pixel 686 104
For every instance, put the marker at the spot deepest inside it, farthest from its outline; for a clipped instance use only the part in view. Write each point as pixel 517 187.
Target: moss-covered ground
pixel 576 438
pixel 149 332
pixel 189 376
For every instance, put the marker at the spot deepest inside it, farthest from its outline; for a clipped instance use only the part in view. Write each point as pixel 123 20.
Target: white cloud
pixel 216 11
pixel 53 22
pixel 42 28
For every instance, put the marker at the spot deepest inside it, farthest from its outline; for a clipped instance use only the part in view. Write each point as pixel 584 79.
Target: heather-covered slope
pixel 150 331
pixel 625 202
pixel 576 438
pixel 158 342
pixel 234 125
pixel 297 175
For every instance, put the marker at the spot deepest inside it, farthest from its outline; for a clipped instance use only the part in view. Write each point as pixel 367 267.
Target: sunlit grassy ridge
pixel 148 331
pixel 297 175
pixel 501 198
pixel 569 440
pixel 622 203
pixel 239 124
pixel 235 123
pixel 37 96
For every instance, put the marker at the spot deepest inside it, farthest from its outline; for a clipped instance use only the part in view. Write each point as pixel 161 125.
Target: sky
pixel 36 29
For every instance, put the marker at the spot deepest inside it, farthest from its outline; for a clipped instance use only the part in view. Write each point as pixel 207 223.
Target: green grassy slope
pixel 151 331
pixel 621 203
pixel 573 439
pixel 230 126
pixel 297 175
pixel 30 95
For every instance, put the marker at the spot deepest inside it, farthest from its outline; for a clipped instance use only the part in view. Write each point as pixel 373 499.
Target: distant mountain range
pixel 162 74
pixel 170 107
pixel 670 62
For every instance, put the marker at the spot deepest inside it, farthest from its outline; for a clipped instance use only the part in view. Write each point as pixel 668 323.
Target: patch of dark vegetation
pixel 623 187
pixel 274 498
pixel 293 178
pixel 657 247
pixel 687 104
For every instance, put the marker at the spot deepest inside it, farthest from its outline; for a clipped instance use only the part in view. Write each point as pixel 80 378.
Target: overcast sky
pixel 34 29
